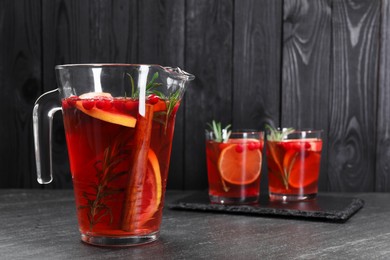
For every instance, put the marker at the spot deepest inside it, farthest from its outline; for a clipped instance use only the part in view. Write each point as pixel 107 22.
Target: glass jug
pixel 119 122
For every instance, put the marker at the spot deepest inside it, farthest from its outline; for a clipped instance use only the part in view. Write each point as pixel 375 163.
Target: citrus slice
pixel 160 106
pixel 110 116
pixel 239 165
pixel 152 188
pixel 316 145
pixel 305 170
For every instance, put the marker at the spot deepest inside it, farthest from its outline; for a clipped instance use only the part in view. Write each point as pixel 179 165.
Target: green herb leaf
pixel 278 135
pixel 220 135
pixel 285 168
pixel 171 101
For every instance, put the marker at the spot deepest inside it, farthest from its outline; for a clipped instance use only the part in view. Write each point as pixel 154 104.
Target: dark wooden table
pixel 41 224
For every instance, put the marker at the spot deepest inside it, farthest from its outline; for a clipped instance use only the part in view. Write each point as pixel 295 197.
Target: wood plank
pixel 20 83
pixel 306 75
pixel 257 66
pixel 161 32
pixel 382 173
pixel 333 70
pixel 209 43
pixel 352 99
pixel 161 41
pixel 257 63
pixel 65 31
pixel 83 32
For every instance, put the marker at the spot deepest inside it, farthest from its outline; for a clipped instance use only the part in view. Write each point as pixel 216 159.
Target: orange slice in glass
pixel 305 170
pixel 239 165
pixel 105 115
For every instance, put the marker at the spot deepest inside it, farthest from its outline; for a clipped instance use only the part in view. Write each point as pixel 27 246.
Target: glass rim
pixel 240 131
pixel 295 135
pixel 297 131
pixel 246 131
pixel 314 131
pixel 173 71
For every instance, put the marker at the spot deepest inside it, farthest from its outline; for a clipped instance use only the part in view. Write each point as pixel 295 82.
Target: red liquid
pixel 112 198
pixel 293 166
pixel 232 189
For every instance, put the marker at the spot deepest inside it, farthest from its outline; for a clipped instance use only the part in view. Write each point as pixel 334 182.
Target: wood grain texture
pixel 20 81
pixel 382 170
pixel 209 43
pixel 84 32
pixel 306 69
pixel 162 41
pixel 318 64
pixel 352 103
pixel 257 63
pixel 257 67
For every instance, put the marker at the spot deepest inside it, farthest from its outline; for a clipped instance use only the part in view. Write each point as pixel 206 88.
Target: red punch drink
pixel 234 168
pixel 119 121
pixel 293 166
pixel 119 173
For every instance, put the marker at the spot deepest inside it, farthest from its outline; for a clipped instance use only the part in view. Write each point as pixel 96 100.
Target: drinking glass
pixel 234 167
pixel 119 122
pixel 293 164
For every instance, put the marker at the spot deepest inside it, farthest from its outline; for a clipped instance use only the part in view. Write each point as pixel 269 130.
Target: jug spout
pixel 172 80
pixel 177 73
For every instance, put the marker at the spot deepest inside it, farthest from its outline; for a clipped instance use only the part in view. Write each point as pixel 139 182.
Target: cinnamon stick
pixel 133 194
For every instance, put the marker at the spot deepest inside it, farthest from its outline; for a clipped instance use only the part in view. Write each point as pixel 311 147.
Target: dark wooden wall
pixel 307 64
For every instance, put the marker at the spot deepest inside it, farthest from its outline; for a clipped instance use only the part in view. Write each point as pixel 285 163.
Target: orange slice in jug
pixel 152 189
pixel 239 165
pixel 104 115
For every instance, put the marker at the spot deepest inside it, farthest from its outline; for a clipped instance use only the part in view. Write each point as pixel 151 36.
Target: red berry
pixel 64 104
pixel 88 104
pixel 153 99
pixel 131 105
pixel 71 101
pixel 119 104
pixel 239 148
pixel 104 104
pixel 253 145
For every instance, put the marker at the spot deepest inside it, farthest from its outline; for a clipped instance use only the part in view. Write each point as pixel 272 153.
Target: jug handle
pixel 44 109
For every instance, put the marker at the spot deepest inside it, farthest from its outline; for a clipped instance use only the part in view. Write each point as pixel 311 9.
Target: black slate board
pixel 323 208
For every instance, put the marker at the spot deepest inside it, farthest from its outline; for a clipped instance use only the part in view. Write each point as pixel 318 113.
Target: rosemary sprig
pixel 105 173
pixel 170 101
pixel 278 135
pixel 150 87
pixel 285 166
pixel 220 135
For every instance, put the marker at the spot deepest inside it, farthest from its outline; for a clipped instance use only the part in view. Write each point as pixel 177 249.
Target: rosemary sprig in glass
pixel 278 135
pixel 220 135
pixel 285 166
